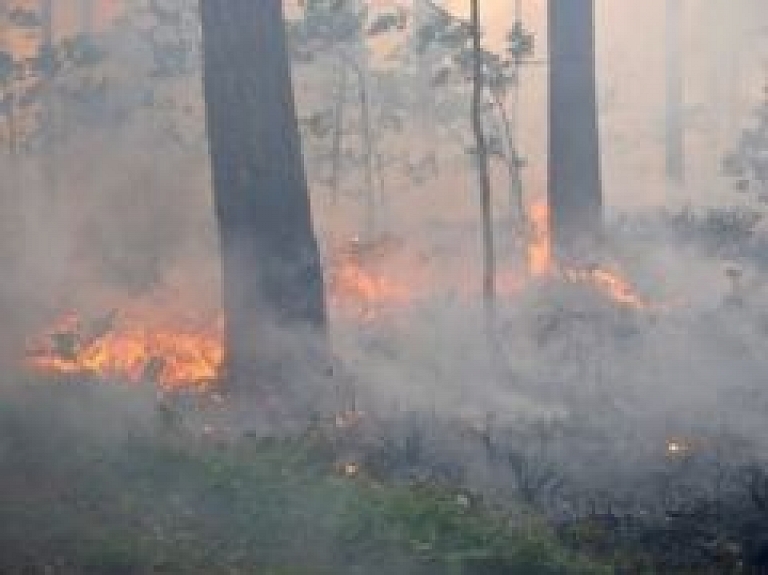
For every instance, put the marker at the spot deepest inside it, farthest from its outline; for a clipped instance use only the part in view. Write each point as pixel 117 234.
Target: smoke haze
pixel 130 225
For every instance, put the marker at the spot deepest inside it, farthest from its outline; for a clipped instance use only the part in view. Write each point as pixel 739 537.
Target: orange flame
pixel 136 346
pixel 124 348
pixel 541 262
pixel 610 284
pixel 358 291
pixel 357 288
pixel 539 244
pixel 150 340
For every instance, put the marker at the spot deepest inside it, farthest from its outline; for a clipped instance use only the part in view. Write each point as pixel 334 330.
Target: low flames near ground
pixel 132 344
pixel 133 347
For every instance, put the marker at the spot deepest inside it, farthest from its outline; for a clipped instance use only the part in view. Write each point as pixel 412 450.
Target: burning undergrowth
pixel 132 346
pixel 150 340
pixel 599 402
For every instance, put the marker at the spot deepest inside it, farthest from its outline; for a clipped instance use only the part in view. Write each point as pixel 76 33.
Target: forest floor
pixel 595 437
pixel 101 479
pixel 94 479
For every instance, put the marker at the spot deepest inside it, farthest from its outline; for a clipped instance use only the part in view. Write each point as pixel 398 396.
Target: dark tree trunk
pixel 675 130
pixel 481 149
pixel 272 280
pixel 575 187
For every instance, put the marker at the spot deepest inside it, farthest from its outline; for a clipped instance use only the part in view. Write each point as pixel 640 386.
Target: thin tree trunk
pixel 11 245
pixel 378 170
pixel 425 97
pixel 11 239
pixel 675 130
pixel 517 199
pixel 733 37
pixel 51 210
pixel 338 132
pixel 517 211
pixel 13 144
pixel 575 189
pixel 49 148
pixel 272 280
pixel 489 257
pixel 516 190
pixel 370 189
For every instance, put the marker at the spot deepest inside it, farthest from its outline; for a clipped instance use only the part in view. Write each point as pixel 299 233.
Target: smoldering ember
pixel 387 287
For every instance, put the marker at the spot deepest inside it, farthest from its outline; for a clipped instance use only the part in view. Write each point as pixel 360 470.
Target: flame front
pixel 359 292
pixel 610 284
pixel 127 349
pixel 137 343
pixel 539 241
pixel 541 262
pixel 151 340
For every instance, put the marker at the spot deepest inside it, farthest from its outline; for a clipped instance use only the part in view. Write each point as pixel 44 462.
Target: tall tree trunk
pixel 51 208
pixel 272 280
pixel 575 187
pixel 517 210
pixel 11 241
pixel 675 129
pixel 49 148
pixel 370 189
pixel 13 141
pixel 484 177
pixel 10 236
pixel 46 22
pixel 732 36
pixel 425 93
pixel 338 131
pixel 511 121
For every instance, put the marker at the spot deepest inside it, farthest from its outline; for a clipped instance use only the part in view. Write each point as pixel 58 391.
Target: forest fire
pixel 132 344
pixel 541 263
pixel 121 347
pixel 539 245
pixel 609 283
pixel 362 294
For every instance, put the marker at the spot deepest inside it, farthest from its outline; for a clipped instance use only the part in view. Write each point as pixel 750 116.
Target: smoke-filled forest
pixel 309 287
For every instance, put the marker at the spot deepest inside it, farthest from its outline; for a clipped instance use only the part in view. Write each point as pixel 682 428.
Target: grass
pixel 89 484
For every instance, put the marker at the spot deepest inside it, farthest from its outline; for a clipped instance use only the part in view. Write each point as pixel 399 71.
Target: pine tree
pixel 271 272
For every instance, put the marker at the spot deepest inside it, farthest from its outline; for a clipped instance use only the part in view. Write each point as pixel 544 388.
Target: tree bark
pixel 575 187
pixel 675 130
pixel 272 282
pixel 489 256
